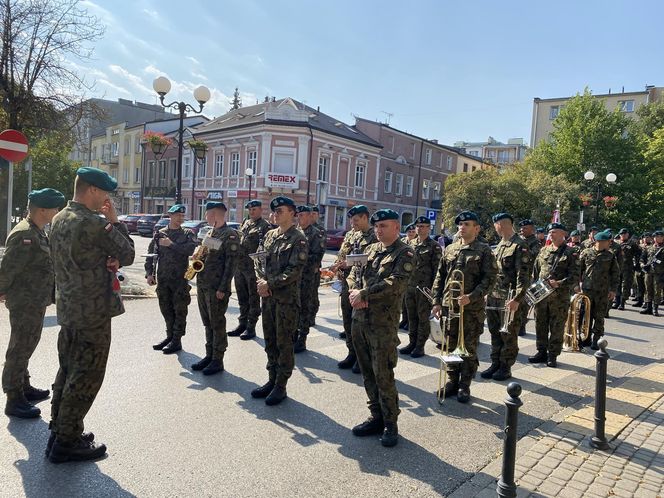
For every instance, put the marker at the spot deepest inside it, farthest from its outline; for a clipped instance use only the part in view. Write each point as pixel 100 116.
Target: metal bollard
pixel 506 486
pixel 598 441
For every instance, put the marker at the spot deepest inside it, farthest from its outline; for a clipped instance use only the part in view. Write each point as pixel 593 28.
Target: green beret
pixel 605 235
pixel 658 233
pixel 594 229
pixel 646 234
pixel 47 198
pixel 303 209
pixel 253 204
pixel 215 204
pixel 359 209
pixel 555 226
pixel 383 215
pixel 315 209
pixel 178 208
pixel 466 216
pixel 423 220
pixel 97 178
pixel 623 230
pixel 574 233
pixel 410 227
pixel 502 216
pixel 524 223
pixel 281 201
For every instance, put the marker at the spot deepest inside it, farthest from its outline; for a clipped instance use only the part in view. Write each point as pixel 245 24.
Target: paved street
pixel 173 432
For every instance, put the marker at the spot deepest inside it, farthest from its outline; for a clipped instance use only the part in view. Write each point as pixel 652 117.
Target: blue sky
pixel 446 70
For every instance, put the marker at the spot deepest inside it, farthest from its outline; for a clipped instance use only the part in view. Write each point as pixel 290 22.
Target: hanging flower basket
pixel 199 147
pixel 610 201
pixel 157 141
pixel 585 199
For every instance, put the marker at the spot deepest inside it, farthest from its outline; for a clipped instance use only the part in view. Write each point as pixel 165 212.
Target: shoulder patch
pixel 410 254
pixel 27 242
pixel 108 227
pixel 303 242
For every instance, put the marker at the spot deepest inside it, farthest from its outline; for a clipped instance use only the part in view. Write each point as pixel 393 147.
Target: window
pixel 503 156
pixel 323 168
pixel 398 186
pixel 449 163
pixel 94 152
pixel 409 186
pixel 137 174
pixel 127 144
pixel 251 160
pixel 151 173
pixel 115 149
pixel 388 182
pixel 219 165
pixel 554 111
pixel 187 167
pixel 427 155
pixel 115 132
pixel 202 168
pixel 474 168
pixel 474 153
pixel 626 105
pixel 284 162
pixel 425 189
pixel 173 167
pixel 138 145
pixel 392 146
pixel 235 163
pixel 359 174
pixel 162 171
pixel 412 153
pixel 436 190
pixel 465 167
pixel 125 175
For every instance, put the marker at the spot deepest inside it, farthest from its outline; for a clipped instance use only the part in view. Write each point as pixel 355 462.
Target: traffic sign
pixel 431 214
pixel 13 145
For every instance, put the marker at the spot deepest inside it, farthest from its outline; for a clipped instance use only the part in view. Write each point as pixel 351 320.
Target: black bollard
pixel 506 486
pixel 599 441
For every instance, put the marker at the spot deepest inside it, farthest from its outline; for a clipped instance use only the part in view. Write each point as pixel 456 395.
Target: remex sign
pixel 282 180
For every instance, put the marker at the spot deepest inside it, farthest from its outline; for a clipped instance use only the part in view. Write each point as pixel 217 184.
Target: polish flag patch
pixel 27 242
pixel 108 227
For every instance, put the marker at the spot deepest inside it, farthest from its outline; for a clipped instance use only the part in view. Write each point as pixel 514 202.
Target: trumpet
pixel 577 331
pixel 196 264
pixel 507 315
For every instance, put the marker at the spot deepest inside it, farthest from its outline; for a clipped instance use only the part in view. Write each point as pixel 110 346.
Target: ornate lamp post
pixel 162 86
pixel 200 149
pixel 610 179
pixel 250 174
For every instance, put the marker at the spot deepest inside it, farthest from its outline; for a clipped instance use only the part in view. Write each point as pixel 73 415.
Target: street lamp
pixel 200 150
pixel 250 173
pixel 162 86
pixel 610 179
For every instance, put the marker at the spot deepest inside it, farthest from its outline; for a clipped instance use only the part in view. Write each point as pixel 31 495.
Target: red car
pixel 335 238
pixel 195 225
pixel 131 222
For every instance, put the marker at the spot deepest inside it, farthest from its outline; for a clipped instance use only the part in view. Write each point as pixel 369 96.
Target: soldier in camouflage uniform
pixel 427 255
pixel 409 238
pixel 630 253
pixel 514 269
pixel 376 291
pixel 87 251
pixel 558 264
pixel 315 216
pixel 252 233
pixel 640 278
pixel 652 264
pixel 219 252
pixel 310 275
pixel 614 247
pixel 575 241
pixel 173 245
pixel 600 276
pixel 527 233
pixel 478 264
pixel 27 284
pixel 590 241
pixel 279 286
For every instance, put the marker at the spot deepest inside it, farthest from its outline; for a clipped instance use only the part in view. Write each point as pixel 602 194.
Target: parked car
pixel 146 224
pixel 335 238
pixel 159 225
pixel 194 225
pixel 130 221
pixel 203 231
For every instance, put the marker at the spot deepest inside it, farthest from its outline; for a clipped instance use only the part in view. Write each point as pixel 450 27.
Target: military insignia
pixel 108 227
pixel 410 254
pixel 233 247
pixel 303 242
pixel 232 236
pixel 302 256
pixel 27 242
pixel 408 267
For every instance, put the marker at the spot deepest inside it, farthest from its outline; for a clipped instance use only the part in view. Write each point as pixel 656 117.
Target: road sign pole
pixel 10 190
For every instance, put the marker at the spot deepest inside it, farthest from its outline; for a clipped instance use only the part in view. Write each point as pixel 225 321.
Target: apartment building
pixel 494 151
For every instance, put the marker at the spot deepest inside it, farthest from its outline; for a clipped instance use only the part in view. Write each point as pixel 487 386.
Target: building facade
pixel 499 153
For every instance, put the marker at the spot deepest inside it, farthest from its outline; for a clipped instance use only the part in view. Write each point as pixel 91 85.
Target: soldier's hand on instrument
pixel 612 296
pixel 112 264
pixel 554 283
pixel 464 300
pixel 354 297
pixel 220 295
pixel 262 287
pixel 437 311
pixel 151 280
pixel 342 265
pixel 165 241
pixel 513 305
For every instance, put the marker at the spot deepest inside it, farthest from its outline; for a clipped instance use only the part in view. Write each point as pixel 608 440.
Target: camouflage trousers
pixel 308 289
pixel 213 315
pixel 598 303
pixel 654 285
pixel 174 299
pixel 247 296
pixel 375 341
pixel 279 325
pixel 347 317
pixel 550 318
pixel 504 347
pixel 26 328
pixel 473 326
pixel 418 308
pixel 316 300
pixel 640 285
pixel 83 354
pixel 625 285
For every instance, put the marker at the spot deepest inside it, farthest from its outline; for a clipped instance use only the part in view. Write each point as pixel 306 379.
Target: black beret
pixel 178 208
pixel 502 216
pixel 215 204
pixel 303 209
pixel 410 227
pixel 646 234
pixel 555 226
pixel 281 201
pixel 466 216
pixel 359 209
pixel 47 198
pixel 253 204
pixel 383 214
pixel 657 233
pixel 315 209
pixel 541 230
pixel 97 178
pixel 623 230
pixel 524 223
pixel 423 220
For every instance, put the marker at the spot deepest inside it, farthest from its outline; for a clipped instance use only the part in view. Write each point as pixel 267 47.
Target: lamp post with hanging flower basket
pixel 157 141
pixel 586 199
pixel 610 179
pixel 610 201
pixel 200 150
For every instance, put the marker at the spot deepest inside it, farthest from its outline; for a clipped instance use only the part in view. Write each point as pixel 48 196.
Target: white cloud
pixel 134 80
pixel 199 76
pixel 152 14
pixel 193 59
pixel 113 86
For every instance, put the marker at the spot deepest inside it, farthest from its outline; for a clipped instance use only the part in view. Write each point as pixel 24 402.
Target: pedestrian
pixel 88 245
pixel 27 285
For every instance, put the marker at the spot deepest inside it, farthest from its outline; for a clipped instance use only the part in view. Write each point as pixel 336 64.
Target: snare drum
pixel 538 291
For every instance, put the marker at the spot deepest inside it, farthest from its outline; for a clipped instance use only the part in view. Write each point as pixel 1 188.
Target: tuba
pixel 196 264
pixel 577 327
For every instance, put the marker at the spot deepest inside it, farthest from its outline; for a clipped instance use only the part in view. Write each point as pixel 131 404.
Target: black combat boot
pixel 173 347
pixel 522 330
pixel 408 348
pixel 249 333
pixel 300 344
pixel 390 435
pixel 638 303
pixel 200 365
pixel 451 387
pixel 77 451
pixel 263 391
pixel 347 362
pixel 539 357
pixel 586 342
pixel 276 396
pixel 161 345
pixel 551 362
pixel 215 366
pixel 463 394
pixel 34 394
pixel 615 304
pixel 621 306
pixel 594 345
pixel 237 331
pixel 86 436
pixel 370 427
pixel 488 373
pixel 503 373
pixel 356 368
pixel 418 352
pixel 18 406
pixel 655 310
pixel 403 325
pixel 647 310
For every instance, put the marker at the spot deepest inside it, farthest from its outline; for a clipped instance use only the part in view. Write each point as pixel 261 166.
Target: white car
pixel 204 230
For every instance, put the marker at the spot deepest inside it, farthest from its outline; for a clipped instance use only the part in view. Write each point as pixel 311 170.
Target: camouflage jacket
pixel 320 227
pixel 480 271
pixel 652 259
pixel 221 249
pixel 251 234
pixel 286 258
pixel 173 260
pixel 615 249
pixel 559 264
pixel 630 252
pixel 587 243
pixel 514 267
pixel 534 246
pixel 316 242
pixel 599 270
pixel 26 272
pixel 354 240
pixel 427 257
pixel 81 243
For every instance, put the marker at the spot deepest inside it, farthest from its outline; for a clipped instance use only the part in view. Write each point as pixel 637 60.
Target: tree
pixel 236 101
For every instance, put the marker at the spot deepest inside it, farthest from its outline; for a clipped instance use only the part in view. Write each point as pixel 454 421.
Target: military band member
pixel 411 235
pixel 590 241
pixel 640 277
pixel 427 256
pixel 219 252
pixel 614 247
pixel 478 264
pixel 87 251
pixel 175 245
pixel 375 293
pixel 308 287
pixel 315 216
pixel 652 263
pixel 557 264
pixel 575 241
pixel 279 286
pixel 529 236
pixel 514 270
pixel 541 235
pixel 600 274
pixel 27 285
pixel 631 254
pixel 252 231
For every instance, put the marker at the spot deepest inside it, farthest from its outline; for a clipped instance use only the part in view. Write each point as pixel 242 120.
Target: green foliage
pixel 236 101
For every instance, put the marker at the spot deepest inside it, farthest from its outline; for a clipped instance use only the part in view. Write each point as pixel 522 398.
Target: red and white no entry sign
pixel 13 145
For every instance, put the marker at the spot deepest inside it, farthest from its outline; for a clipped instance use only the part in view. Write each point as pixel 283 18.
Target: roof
pixel 286 112
pixel 617 94
pixel 122 111
pixel 167 126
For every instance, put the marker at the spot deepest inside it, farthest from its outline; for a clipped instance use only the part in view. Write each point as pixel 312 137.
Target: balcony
pixel 160 192
pixel 110 159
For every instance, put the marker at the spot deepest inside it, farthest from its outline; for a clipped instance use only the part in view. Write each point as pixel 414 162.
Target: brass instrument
pixel 507 315
pixel 577 331
pixel 196 264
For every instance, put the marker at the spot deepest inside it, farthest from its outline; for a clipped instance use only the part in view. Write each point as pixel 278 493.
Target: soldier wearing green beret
pixel 590 241
pixel 252 234
pixel 218 251
pixel 480 271
pixel 87 251
pixel 575 241
pixel 315 216
pixel 640 278
pixel 630 253
pixel 528 234
pixel 376 290
pixel 652 264
pixel 279 286
pixel 27 284
pixel 614 247
pixel 174 245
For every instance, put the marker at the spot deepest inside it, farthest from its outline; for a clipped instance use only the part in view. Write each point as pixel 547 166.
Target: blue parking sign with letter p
pixel 431 214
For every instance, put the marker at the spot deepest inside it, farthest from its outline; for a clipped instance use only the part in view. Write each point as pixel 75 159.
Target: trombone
pixel 577 327
pixel 507 315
